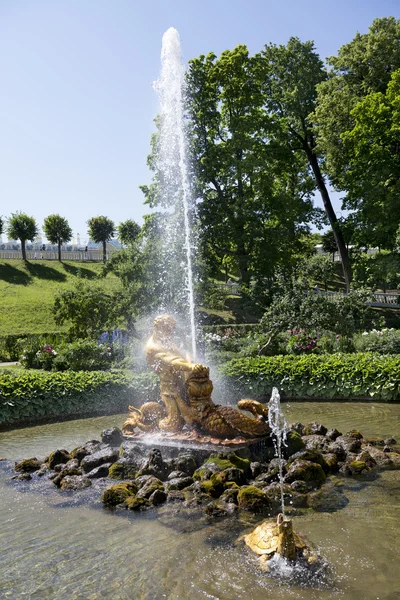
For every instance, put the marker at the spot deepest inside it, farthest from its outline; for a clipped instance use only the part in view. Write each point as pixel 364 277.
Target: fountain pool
pixel 54 547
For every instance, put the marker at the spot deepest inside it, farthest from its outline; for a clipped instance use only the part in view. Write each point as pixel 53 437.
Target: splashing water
pixel 174 179
pixel 278 424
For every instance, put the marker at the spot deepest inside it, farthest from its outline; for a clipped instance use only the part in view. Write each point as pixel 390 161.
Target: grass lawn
pixel 27 292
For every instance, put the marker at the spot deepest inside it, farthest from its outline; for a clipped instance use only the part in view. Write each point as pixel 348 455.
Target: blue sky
pixel 77 102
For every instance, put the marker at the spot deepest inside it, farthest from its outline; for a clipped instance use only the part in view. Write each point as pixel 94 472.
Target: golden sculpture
pixel 186 394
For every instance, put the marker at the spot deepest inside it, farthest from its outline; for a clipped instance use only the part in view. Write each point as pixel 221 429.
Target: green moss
pixel 135 503
pixel 231 485
pixel 117 494
pixel 116 471
pixel 252 498
pixel 229 461
pixel 58 457
pixel 294 444
pixel 28 465
pixel 358 466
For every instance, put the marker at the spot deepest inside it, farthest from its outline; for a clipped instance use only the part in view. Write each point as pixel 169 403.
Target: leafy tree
pixel 22 227
pixel 289 76
pixel 357 119
pixel 1 225
pixel 329 243
pixel 316 269
pixel 57 231
pixel 128 232
pixel 90 310
pixel 255 195
pixel 101 229
pixel 379 271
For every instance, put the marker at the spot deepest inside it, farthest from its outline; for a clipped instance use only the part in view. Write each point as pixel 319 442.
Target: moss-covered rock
pixel 28 465
pixel 304 470
pixel 328 498
pixel 311 456
pixel 150 486
pixel 75 482
pixel 253 499
pixel 214 486
pixel 294 443
pixel 117 494
pixel 314 428
pixel 58 457
pixel 158 497
pixel 136 503
pixel 116 471
pixel 354 433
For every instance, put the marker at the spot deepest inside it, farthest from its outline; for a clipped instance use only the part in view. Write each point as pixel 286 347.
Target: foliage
pixel 101 229
pixel 384 341
pixel 256 193
pixel 298 307
pixel 128 232
pixel 22 227
pixel 32 396
pixel 89 309
pixel 357 117
pixel 1 225
pixel 84 355
pixel 379 271
pixel 348 376
pixel 317 269
pixel 329 244
pixel 57 231
pixel 301 341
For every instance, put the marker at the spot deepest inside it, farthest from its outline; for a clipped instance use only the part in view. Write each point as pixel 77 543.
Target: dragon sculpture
pixel 186 391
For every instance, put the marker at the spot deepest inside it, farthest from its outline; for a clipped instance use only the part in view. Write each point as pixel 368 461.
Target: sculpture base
pixel 171 444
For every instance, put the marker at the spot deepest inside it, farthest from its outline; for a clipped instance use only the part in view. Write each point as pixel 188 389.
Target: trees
pixel 357 122
pixel 254 192
pixel 1 225
pixel 329 244
pixel 128 232
pixel 57 231
pixel 101 229
pixel 289 76
pixel 22 227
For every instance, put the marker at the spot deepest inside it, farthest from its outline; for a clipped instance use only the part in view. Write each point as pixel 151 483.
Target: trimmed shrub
pixel 386 341
pixel 33 396
pixel 345 376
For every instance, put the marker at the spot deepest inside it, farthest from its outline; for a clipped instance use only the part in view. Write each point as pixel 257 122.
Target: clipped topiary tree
pixel 22 227
pixel 101 229
pixel 57 231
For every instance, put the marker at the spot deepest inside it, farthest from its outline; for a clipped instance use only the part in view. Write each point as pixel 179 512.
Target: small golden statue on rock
pixel 186 395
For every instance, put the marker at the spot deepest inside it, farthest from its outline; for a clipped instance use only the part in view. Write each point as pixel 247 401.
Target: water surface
pixel 54 546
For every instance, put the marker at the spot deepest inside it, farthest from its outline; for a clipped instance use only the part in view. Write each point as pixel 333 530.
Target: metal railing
pixel 53 255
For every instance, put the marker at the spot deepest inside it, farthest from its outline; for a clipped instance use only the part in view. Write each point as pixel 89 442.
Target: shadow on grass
pixel 13 275
pixel 42 271
pixel 79 271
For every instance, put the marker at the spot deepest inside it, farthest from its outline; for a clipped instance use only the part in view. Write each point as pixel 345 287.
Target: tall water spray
pixel 173 178
pixel 277 422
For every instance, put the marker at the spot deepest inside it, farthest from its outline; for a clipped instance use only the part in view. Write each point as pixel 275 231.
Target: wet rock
pixel 177 474
pixel 214 510
pixel 22 477
pixel 75 482
pixel 311 456
pixel 256 469
pixel 57 457
pixel 390 442
pixel 374 441
pixel 149 487
pixel 155 465
pixel 136 503
pixel 328 498
pixel 314 428
pixel 217 463
pixel 112 437
pixel 64 473
pixel 123 468
pixel 298 427
pixel 43 470
pixel 194 496
pixel 354 467
pixel 186 462
pixel 28 465
pixel 273 471
pixel 331 460
pixel 158 497
pixel 387 449
pixel 305 471
pixel 337 449
pixel 175 496
pixel 333 434
pixel 233 475
pixel 253 499
pixel 354 433
pixel 100 471
pixel 316 442
pixel 179 483
pixel 294 443
pixel 105 455
pixel 117 494
pixel 348 443
pixel 366 457
pixel 302 487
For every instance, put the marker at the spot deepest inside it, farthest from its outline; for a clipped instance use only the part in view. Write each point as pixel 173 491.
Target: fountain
pixel 205 459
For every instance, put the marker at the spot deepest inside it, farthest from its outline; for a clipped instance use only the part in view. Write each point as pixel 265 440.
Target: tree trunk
pixel 59 251
pixel 23 250
pixel 104 252
pixel 344 255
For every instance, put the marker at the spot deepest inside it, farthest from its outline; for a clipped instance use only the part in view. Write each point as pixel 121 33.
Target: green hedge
pixel 11 345
pixel 34 396
pixel 344 376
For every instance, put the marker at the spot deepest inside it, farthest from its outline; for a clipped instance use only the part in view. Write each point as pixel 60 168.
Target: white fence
pixel 53 255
